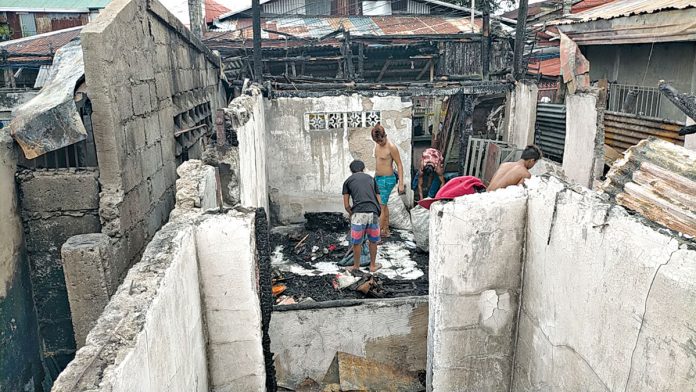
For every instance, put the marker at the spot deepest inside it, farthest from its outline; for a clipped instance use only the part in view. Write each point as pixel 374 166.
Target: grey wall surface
pixel 143 68
pixel 56 205
pixel 583 157
pixel 476 247
pixel 634 64
pixel 520 115
pixel 307 168
pixel 390 331
pixel 157 316
pixel 608 299
pixel 20 360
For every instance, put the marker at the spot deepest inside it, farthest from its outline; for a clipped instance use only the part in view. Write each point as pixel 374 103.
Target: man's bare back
pixel 510 173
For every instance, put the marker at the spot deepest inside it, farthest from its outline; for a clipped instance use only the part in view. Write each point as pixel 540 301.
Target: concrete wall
pixel 476 252
pixel 226 248
pixel 143 69
pixel 608 299
pixel 583 159
pixel 249 119
pixel 20 360
pixel 307 168
pixel 390 331
pixel 151 335
pixel 634 64
pixel 520 115
pixel 56 205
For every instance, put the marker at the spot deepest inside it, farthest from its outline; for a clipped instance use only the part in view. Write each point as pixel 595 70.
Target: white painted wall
pixel 253 155
pixel 391 331
pixel 608 299
pixel 306 169
pixel 226 247
pixel 475 263
pixel 583 159
pixel 150 336
pixel 10 223
pixel 690 140
pixel 520 114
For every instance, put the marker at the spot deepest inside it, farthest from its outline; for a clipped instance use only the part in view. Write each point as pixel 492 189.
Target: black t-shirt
pixel 363 189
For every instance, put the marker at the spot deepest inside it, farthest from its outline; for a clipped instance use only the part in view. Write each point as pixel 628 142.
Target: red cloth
pixel 458 186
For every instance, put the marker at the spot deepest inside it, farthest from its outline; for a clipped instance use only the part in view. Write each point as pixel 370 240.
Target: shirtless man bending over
pixel 514 173
pixel 386 154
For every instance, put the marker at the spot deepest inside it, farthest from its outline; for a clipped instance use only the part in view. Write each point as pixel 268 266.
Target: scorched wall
pixel 311 142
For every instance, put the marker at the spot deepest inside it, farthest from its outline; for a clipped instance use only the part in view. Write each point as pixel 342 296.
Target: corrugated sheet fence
pixel 625 130
pixel 551 130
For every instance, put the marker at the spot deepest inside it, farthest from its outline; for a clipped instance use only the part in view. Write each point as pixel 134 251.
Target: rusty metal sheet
pixel 50 120
pixel 575 68
pixel 355 373
pixel 657 179
pixel 616 9
pixel 622 131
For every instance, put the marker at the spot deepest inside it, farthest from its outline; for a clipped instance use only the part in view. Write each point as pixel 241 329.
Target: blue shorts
pixel 385 184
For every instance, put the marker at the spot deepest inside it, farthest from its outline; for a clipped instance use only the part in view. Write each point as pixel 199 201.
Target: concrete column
pixel 89 280
pixel 475 263
pixel 583 160
pixel 520 114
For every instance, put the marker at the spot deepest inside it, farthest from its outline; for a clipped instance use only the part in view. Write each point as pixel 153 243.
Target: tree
pixel 494 5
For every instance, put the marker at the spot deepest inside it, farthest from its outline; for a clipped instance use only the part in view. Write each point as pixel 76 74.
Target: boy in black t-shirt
pixel 364 213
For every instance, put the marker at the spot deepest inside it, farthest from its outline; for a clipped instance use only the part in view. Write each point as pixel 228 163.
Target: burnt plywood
pixel 657 179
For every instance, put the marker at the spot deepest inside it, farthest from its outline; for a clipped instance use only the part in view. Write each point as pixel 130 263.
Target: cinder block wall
pixel 148 78
pixel 20 358
pixel 56 205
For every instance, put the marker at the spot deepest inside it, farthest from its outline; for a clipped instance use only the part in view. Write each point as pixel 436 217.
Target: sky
pixel 238 5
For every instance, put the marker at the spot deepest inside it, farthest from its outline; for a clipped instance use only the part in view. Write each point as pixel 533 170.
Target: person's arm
pixel 420 185
pixel 399 165
pixel 524 177
pixel 346 204
pixel 440 171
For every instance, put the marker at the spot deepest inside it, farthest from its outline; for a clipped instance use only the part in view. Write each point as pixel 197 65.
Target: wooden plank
pixel 384 69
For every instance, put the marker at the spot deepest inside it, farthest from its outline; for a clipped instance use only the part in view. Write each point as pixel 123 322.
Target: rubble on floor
pixel 350 372
pixel 657 179
pixel 307 260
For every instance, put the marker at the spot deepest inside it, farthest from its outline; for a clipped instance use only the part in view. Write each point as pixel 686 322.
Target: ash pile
pixel 308 262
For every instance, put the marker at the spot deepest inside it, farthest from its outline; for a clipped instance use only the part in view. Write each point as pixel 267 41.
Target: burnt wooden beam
pixel 384 69
pixel 256 28
pixel 486 40
pixel 466 129
pixel 348 54
pixel 685 102
pixel 424 70
pixel 688 130
pixel 520 38
pixel 361 60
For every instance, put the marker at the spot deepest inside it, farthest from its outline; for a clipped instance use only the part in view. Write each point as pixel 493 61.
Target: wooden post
pixel 520 38
pixel 361 61
pixel 486 41
pixel 258 65
pixel 466 129
pixel 348 54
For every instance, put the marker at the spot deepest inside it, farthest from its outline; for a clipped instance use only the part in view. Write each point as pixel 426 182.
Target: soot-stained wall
pixel 311 142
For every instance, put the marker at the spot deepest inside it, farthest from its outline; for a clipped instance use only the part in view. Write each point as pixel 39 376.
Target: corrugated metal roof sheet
pixel 42 44
pixel 548 67
pixel 49 5
pixel 622 8
pixel 213 10
pixel 42 77
pixel 316 27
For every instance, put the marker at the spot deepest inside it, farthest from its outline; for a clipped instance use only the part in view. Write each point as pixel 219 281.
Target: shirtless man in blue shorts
pixel 386 154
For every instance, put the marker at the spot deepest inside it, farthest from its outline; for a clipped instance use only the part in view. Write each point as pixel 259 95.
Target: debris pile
pixel 349 372
pixel 309 263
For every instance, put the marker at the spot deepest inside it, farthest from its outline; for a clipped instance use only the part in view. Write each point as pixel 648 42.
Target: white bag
pixel 420 220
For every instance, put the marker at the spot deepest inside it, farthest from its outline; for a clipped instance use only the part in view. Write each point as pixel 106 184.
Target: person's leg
pixel 384 221
pixel 357 233
pixel 373 236
pixel 434 186
pixel 386 185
